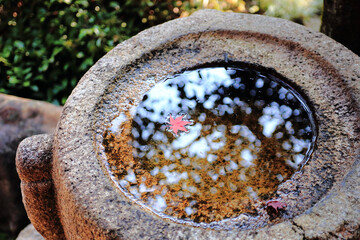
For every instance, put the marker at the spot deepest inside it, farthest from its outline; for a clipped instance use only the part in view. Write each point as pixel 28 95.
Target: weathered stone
pixel 34 169
pixel 87 199
pixel 29 233
pixel 19 118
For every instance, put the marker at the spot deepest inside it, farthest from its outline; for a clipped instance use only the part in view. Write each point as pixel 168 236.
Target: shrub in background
pixel 47 45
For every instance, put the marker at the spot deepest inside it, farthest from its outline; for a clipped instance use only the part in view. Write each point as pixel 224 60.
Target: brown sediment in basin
pixel 250 132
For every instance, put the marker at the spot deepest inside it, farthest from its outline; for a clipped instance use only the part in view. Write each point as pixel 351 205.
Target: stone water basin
pixel 268 147
pixel 249 132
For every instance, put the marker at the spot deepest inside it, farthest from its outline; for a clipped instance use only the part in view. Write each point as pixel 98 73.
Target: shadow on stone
pixel 19 118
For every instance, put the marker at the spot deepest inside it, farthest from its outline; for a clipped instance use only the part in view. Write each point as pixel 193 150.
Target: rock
pixel 19 118
pixel 29 233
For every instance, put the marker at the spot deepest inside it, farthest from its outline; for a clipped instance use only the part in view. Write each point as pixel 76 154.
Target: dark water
pixel 249 132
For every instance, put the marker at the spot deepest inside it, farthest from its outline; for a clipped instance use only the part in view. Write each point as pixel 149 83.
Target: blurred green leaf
pixel 87 63
pixel 80 55
pixel 44 66
pixel 56 51
pixel 7 50
pixel 4 61
pixel 27 78
pixel 84 32
pixel 26 83
pixel 34 88
pixel 19 44
pixel 13 80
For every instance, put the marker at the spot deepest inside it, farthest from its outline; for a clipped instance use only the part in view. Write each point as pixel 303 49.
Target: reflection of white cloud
pixel 280 177
pixel 155 171
pixel 222 171
pixel 159 136
pixel 228 101
pixel 188 104
pixel 195 176
pixel 211 158
pixel 210 102
pixel 247 158
pixel 217 139
pixel 148 131
pixel 151 153
pixel 246 133
pixel 225 108
pixel 272 118
pixel 116 123
pixel 159 203
pixel 168 153
pixel 202 117
pixel 242 175
pixel 233 165
pixel 238 142
pixel 189 210
pixel 259 83
pixel 192 189
pixel 298 158
pixel 134 191
pixel 285 111
pixel 289 128
pixel 199 148
pixel 235 129
pixel 185 161
pixel 299 144
pixel 210 80
pixel 135 133
pixel 166 99
pixel 282 92
pixel 208 153
pixel 123 183
pixel 143 188
pixel 186 139
pixel 213 175
pixel 131 176
pixel 174 177
pixel 279 135
pixel 286 146
pixel 213 190
pixel 252 193
pixel 269 124
pixel 232 186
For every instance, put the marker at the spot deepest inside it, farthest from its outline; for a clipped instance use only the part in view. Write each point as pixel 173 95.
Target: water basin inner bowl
pixel 210 144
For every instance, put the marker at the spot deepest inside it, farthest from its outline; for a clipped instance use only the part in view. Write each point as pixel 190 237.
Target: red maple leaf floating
pixel 178 124
pixel 276 205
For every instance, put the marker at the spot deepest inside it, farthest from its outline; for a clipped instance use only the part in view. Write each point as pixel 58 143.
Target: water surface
pixel 249 132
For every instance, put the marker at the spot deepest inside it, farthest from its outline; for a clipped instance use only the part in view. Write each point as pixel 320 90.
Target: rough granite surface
pixel 30 233
pixel 324 198
pixel 34 168
pixel 19 118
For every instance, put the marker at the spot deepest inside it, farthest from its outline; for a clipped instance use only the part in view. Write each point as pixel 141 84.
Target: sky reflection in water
pixel 250 132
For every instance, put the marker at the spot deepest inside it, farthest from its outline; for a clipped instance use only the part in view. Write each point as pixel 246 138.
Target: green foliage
pixel 46 46
pixel 295 10
pixel 4 236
